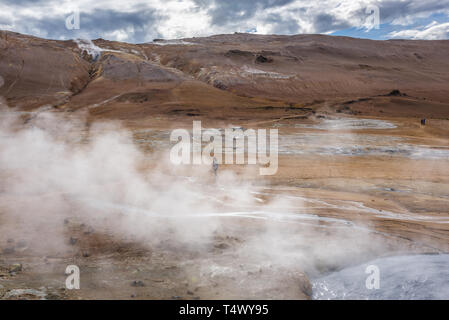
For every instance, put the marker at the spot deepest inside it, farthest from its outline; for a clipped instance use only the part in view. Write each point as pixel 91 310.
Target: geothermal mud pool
pixel 108 200
pixel 418 277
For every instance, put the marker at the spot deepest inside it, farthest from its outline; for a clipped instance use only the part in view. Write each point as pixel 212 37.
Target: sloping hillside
pixel 227 76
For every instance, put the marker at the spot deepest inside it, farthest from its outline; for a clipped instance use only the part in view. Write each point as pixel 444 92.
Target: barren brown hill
pixel 237 76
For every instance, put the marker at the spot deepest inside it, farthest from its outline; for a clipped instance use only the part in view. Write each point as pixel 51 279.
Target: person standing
pixel 215 166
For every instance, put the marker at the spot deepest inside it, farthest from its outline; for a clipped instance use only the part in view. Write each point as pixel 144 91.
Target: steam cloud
pixel 56 167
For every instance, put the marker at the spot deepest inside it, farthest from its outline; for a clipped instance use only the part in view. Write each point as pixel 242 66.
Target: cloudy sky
pixel 143 20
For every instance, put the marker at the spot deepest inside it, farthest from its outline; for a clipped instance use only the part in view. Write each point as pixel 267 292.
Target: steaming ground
pixel 418 277
pixel 107 199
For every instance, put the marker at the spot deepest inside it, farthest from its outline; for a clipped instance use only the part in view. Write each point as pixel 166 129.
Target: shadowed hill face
pixel 120 68
pixel 39 72
pixel 224 75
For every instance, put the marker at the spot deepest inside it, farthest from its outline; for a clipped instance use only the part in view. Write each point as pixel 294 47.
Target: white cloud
pixel 433 31
pixel 142 20
pixel 182 19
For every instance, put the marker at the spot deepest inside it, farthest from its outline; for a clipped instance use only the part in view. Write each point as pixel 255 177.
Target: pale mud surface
pixel 337 201
pixel 417 277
